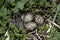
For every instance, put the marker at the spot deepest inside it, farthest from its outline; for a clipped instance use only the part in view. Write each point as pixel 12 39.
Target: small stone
pixel 39 20
pixel 28 18
pixel 31 26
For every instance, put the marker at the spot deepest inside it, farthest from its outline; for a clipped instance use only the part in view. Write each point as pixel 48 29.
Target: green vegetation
pixel 9 8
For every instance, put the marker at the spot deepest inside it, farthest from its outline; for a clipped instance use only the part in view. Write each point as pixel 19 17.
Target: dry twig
pixel 38 35
pixel 49 28
pixel 6 34
pixel 53 21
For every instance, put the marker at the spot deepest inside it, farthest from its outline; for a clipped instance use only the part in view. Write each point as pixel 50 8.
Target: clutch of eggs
pixel 30 25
